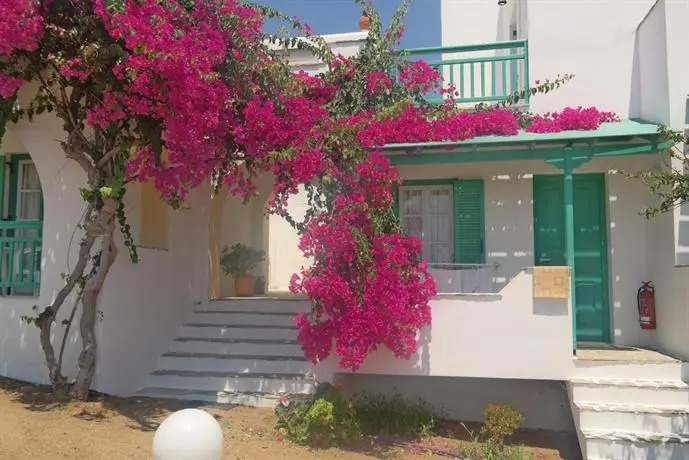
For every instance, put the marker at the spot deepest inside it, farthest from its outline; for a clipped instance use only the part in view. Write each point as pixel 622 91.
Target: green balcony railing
pixel 489 72
pixel 20 256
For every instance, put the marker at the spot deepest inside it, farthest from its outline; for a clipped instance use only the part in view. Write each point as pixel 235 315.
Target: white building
pixel 497 335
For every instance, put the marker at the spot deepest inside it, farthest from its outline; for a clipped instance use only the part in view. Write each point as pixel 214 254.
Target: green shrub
pixel 393 415
pixel 501 422
pixel 328 419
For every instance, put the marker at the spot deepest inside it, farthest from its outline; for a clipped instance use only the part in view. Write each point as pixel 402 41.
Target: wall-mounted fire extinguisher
pixel 646 302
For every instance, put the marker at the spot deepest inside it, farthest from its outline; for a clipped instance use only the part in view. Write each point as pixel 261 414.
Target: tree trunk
pixel 47 317
pixel 89 299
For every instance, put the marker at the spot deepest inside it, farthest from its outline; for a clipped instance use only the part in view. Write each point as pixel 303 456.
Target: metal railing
pixel 464 278
pixel 20 257
pixel 489 72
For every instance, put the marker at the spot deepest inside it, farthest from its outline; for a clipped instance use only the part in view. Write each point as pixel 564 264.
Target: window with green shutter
pixel 424 205
pixel 21 226
pixel 469 221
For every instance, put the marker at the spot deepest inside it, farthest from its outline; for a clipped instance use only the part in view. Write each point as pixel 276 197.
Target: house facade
pixel 536 242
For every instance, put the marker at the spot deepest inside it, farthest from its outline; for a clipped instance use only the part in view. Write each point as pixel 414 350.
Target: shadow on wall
pixel 627 258
pixel 682 240
pixel 650 93
pixel 244 223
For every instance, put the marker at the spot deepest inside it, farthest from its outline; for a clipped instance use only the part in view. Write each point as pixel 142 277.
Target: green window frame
pixel 468 203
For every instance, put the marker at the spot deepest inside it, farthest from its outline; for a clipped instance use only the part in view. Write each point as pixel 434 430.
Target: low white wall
pixel 509 335
pixel 142 305
pixel 544 403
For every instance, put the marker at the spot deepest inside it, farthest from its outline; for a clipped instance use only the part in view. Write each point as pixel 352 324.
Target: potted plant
pixel 240 261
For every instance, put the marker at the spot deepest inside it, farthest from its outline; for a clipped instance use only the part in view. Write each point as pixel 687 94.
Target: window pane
pixel 440 201
pixel 29 177
pixel 440 229
pixel 412 202
pixel 29 205
pixel 440 254
pixel 413 225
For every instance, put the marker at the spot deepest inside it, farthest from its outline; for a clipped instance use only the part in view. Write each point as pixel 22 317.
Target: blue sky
pixel 422 25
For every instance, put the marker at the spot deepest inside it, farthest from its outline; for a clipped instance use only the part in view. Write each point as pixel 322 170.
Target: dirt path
pixel 34 426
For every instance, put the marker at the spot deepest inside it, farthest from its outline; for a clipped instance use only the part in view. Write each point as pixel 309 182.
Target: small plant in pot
pixel 241 261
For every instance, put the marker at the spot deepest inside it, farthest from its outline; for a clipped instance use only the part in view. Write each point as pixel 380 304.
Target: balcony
pixel 485 73
pixel 20 257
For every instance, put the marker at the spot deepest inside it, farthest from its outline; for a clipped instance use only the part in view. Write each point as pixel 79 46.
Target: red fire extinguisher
pixel 646 301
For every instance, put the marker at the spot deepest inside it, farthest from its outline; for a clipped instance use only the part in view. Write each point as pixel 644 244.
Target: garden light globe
pixel 188 434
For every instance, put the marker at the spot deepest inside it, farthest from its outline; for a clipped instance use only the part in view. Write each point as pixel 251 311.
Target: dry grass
pixel 33 425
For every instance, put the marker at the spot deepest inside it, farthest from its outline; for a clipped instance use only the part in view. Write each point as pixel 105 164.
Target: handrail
pixel 20 256
pixel 487 77
pixel 20 224
pixel 465 48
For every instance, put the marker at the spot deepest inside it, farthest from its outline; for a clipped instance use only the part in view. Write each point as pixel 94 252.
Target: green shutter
pixel 2 186
pixel 396 201
pixel 469 221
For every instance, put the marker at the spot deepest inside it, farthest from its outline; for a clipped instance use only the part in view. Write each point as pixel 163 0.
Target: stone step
pixel 635 446
pixel 256 305
pixel 622 391
pixel 215 331
pixel 234 383
pixel 634 418
pixel 632 370
pixel 243 318
pixel 214 397
pixel 237 347
pixel 234 363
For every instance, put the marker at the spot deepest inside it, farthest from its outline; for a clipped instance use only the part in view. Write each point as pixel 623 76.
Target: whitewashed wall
pixel 509 225
pixel 662 67
pixel 142 305
pixel 509 228
pixel 631 57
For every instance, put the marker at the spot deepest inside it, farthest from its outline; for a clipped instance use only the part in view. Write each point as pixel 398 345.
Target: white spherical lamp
pixel 188 434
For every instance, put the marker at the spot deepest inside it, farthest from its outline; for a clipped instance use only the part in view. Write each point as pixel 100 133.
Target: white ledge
pixel 454 295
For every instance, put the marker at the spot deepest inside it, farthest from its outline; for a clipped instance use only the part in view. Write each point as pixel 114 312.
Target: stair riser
pixel 630 395
pixel 650 371
pixel 220 332
pixel 239 319
pixel 253 349
pixel 261 306
pixel 240 400
pixel 634 422
pixel 232 384
pixel 234 365
pixel 604 449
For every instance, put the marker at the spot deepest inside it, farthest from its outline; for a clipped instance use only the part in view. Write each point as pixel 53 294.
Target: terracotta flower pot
pixel 244 286
pixel 364 22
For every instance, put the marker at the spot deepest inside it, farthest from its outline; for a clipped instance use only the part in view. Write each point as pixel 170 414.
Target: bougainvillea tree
pixel 179 92
pixel 670 183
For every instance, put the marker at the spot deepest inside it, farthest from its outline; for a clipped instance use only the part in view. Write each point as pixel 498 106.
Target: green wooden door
pixel 590 246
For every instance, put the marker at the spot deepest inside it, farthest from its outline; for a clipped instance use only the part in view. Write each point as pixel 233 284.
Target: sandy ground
pixel 33 426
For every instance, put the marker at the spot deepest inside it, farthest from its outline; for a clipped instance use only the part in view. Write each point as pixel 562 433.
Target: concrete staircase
pixel 242 351
pixel 631 410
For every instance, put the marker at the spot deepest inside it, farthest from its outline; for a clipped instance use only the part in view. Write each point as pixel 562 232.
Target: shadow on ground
pixel 144 414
